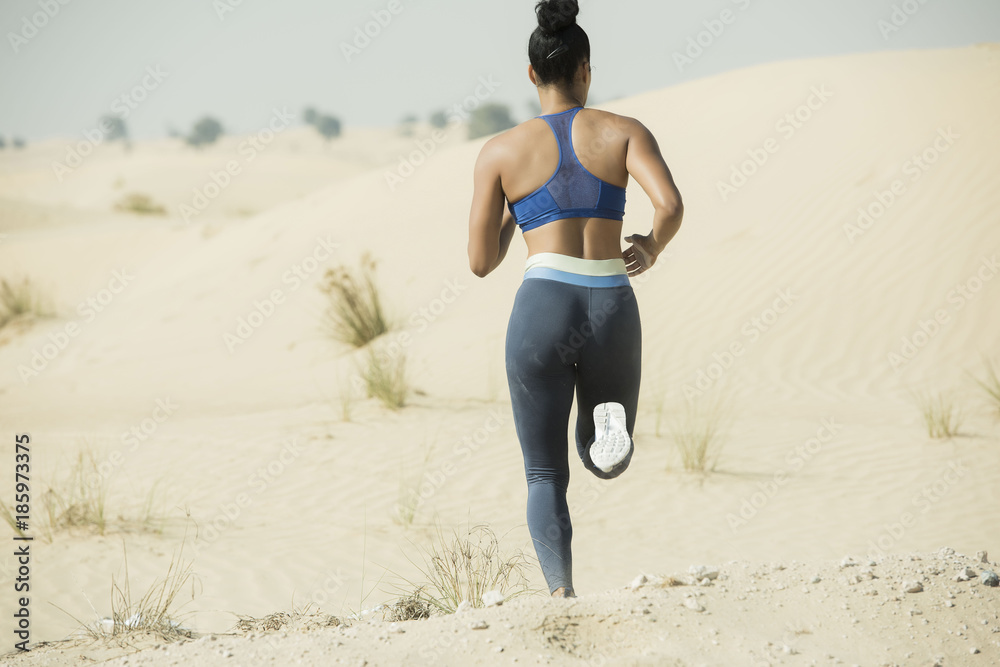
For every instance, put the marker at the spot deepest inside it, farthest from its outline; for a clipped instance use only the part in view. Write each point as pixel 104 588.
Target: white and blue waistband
pixel 576 270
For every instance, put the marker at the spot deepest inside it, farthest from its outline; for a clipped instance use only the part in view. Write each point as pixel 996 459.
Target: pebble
pixel 479 625
pixel 693 604
pixel 949 603
pixel 847 562
pixel 982 556
pixel 703 572
pixel 912 587
pixel 973 650
pixel 464 605
pixel 639 581
pixel 492 599
pixel 989 578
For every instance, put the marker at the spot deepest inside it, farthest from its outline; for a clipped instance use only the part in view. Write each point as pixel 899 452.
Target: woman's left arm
pixel 491 228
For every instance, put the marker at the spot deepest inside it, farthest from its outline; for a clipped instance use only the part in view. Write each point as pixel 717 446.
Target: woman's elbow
pixel 478 264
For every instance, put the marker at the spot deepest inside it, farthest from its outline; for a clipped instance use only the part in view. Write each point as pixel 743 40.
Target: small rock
pixel 982 556
pixel 639 581
pixel 973 650
pixel 847 562
pixel 815 580
pixel 499 649
pixel 703 572
pixel 395 629
pixel 464 605
pixel 949 603
pixel 989 578
pixel 693 604
pixel 479 625
pixel 912 587
pixel 492 599
pixel 946 552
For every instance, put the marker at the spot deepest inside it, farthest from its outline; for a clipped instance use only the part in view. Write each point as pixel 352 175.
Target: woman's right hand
pixel 641 254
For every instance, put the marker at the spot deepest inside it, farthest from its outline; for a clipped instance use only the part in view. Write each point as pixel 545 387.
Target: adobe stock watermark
pixel 31 26
pixel 163 410
pixel 958 297
pixel 59 340
pixel 793 121
pixel 265 476
pixel 752 331
pixel 221 179
pixel 915 167
pixel 408 164
pixel 929 495
pixel 265 308
pixel 462 453
pixel 795 460
pixel 224 8
pixel 122 107
pixel 900 16
pixel 371 30
pixel 714 29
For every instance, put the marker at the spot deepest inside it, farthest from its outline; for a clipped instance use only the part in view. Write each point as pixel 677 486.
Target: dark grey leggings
pixel 564 337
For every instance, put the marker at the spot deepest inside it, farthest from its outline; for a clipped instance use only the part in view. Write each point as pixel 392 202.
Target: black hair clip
pixel 563 48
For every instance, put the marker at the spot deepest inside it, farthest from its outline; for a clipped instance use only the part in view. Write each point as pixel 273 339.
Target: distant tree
pixel 328 126
pixel 310 116
pixel 3 144
pixel 408 126
pixel 205 131
pixel 117 131
pixel 490 119
pixel 174 133
pixel 534 108
pixel 18 143
pixel 439 119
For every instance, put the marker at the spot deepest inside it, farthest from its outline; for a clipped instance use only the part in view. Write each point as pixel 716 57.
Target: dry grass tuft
pixel 942 417
pixel 991 385
pixel 355 315
pixel 21 300
pixel 385 378
pixel 140 203
pixel 299 619
pixel 700 433
pixel 410 608
pixel 465 567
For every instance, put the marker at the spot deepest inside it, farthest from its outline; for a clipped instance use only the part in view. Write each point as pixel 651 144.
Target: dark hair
pixel 557 31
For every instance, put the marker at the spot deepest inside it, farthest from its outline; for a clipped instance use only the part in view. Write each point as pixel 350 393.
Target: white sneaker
pixel 611 439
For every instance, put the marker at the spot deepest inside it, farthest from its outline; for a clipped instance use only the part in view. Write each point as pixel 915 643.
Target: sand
pixel 817 328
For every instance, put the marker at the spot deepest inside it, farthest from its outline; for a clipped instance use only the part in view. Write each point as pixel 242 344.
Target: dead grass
pixel 21 299
pixel 298 619
pixel 355 314
pixel 140 203
pixel 385 378
pixel 699 433
pixel 76 500
pixel 465 566
pixel 942 417
pixel 156 612
pixel 991 384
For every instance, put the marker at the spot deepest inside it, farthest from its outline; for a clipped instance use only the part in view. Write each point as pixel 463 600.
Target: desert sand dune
pixel 817 324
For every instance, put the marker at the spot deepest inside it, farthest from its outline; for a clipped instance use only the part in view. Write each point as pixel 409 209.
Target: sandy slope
pixel 826 454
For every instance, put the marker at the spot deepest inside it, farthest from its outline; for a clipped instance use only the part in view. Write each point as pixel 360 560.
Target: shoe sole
pixel 611 439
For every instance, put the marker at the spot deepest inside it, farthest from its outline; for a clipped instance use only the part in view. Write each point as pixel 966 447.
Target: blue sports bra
pixel 572 191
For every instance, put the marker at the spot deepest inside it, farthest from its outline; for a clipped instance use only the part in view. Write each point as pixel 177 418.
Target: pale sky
pixel 237 65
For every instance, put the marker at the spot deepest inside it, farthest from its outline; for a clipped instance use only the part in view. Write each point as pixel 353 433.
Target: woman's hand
pixel 641 254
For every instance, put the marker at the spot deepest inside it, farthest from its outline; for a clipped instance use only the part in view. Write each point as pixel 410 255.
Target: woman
pixel 575 321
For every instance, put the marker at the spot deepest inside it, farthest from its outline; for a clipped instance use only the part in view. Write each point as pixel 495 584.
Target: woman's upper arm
pixel 487 208
pixel 646 165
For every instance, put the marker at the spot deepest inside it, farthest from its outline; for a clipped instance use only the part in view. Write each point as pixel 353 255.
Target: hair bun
pixel 556 15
